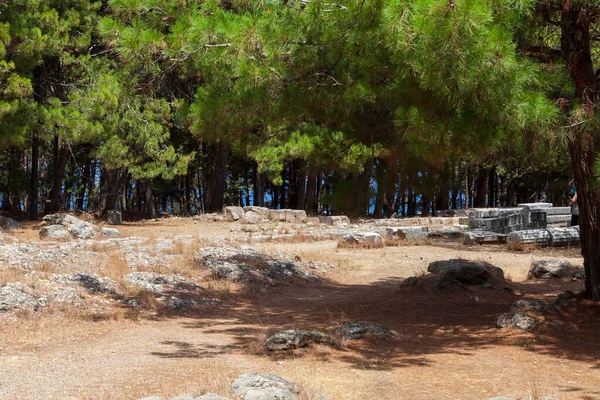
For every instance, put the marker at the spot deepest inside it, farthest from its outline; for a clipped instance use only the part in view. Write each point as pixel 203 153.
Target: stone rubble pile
pixel 60 226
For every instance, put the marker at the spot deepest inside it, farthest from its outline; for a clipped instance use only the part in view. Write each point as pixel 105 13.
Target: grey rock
pixel 276 215
pixel 294 339
pixel 444 283
pixel 359 329
pixel 18 296
pixel 262 211
pixel 61 219
pixel 152 281
pixel 517 320
pixel 251 217
pixel 415 233
pixel 334 219
pixel 233 213
pixel 548 268
pixel 295 215
pixel 248 264
pixel 54 232
pixel 371 238
pixel 110 232
pixel 265 386
pixel 152 398
pixel 114 217
pixel 565 299
pixel 66 295
pixel 7 224
pixel 176 303
pixel 464 271
pixel 82 230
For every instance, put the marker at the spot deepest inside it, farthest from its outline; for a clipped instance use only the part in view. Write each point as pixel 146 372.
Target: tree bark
pixel 109 189
pixel 583 144
pixel 215 177
pixel 311 187
pixel 482 177
pixel 149 199
pixel 53 202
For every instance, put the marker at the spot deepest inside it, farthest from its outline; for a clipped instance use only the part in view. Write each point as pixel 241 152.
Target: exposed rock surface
pixel 358 330
pixel 248 264
pixel 91 282
pixel 266 386
pixel 154 282
pixel 294 339
pixel 18 296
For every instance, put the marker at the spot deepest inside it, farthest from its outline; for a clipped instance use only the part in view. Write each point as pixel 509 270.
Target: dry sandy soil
pixel 446 345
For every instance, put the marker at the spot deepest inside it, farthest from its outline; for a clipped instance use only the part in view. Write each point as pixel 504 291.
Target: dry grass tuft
pixel 11 275
pixel 116 268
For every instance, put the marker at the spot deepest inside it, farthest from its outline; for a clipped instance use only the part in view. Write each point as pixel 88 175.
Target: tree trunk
pixel 53 202
pixel 35 178
pixel 583 144
pixel 259 188
pixel 482 177
pixel 83 185
pixel 149 199
pixel 311 187
pixel 215 177
pixel 301 187
pixel 109 189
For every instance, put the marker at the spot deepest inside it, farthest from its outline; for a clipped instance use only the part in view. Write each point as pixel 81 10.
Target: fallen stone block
pixel 233 213
pixel 334 219
pixel 408 232
pixel 370 238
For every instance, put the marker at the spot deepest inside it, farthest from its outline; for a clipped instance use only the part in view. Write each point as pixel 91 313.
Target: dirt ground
pixel 446 345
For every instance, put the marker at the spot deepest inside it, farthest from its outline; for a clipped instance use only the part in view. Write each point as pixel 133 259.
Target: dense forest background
pixel 353 107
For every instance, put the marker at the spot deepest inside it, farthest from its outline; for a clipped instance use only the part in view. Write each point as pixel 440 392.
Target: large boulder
pixel 61 219
pixel 54 232
pixel 372 239
pixel 415 233
pixel 266 386
pixel 465 272
pixel 82 230
pixel 233 213
pixel 293 339
pixel 548 268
